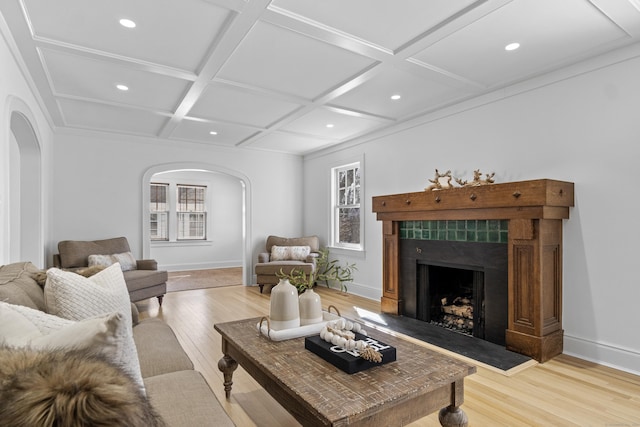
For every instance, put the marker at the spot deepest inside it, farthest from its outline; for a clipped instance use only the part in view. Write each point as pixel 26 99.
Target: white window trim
pixel 333 237
pixel 173 226
pixel 166 212
pixel 204 212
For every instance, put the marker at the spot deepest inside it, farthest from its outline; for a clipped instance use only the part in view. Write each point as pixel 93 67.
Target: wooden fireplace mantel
pixel 535 210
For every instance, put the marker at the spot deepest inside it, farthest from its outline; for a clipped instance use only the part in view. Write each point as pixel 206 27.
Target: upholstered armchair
pixel 142 276
pixel 286 254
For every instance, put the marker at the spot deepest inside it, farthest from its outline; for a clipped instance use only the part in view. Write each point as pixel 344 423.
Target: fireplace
pixel 452 298
pixel 530 292
pixel 460 285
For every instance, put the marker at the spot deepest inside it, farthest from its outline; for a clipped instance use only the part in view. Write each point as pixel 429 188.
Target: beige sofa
pixel 179 394
pixel 267 267
pixel 143 282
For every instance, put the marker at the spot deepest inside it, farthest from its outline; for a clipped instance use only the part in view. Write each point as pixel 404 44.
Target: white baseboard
pixel 363 291
pixel 200 266
pixel 604 354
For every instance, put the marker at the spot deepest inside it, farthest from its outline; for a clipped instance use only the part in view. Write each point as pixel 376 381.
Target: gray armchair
pixel 273 260
pixel 144 281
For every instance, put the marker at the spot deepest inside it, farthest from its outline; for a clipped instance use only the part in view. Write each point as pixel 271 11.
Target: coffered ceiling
pixel 293 75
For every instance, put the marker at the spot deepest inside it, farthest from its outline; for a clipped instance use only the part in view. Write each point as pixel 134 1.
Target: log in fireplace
pixel 533 212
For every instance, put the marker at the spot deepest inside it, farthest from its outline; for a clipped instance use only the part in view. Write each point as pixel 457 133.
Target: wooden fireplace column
pixel 535 210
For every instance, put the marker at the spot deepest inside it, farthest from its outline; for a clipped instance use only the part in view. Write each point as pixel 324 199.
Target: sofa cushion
pixel 184 398
pixel 17 285
pixel 69 388
pixel 75 253
pixel 25 327
pixel 159 351
pixel 74 297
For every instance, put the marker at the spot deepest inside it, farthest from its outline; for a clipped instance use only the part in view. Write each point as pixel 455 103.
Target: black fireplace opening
pixel 451 297
pixel 459 277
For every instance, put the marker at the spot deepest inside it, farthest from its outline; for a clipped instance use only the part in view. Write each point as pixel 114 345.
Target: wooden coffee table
pixel 317 393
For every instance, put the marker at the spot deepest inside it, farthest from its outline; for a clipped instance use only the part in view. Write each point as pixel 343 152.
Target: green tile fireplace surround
pixel 527 216
pixel 472 230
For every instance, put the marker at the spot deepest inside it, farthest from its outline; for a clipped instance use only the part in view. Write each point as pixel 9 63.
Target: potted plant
pixel 331 272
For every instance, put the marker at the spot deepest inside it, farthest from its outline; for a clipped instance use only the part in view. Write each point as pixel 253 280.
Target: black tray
pixel 345 360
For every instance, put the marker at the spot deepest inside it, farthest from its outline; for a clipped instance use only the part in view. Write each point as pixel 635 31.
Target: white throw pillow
pixel 99 260
pixel 126 259
pixel 75 297
pixel 299 253
pixel 279 253
pixel 25 327
pixel 289 253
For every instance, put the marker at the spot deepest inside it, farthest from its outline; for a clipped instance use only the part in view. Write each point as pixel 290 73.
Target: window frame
pixel 172 206
pixel 199 208
pixel 336 206
pixel 164 237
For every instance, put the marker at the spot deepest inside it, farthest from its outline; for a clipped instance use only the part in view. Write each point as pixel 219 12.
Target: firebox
pixel 462 286
pixel 451 298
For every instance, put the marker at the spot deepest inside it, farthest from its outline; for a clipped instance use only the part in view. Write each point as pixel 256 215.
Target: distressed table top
pixel 328 393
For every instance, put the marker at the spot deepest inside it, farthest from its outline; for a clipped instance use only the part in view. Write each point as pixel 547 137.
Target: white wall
pixel 17 97
pixel 98 187
pixel 223 245
pixel 583 129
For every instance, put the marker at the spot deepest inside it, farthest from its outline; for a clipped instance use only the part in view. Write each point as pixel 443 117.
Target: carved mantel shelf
pixel 535 210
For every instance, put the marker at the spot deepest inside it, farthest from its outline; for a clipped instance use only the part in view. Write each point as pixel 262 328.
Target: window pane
pixel 158 197
pixel 191 225
pixel 349 225
pixel 191 198
pixel 158 226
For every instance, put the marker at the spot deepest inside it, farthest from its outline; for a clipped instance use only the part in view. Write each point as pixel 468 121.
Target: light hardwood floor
pixel 562 392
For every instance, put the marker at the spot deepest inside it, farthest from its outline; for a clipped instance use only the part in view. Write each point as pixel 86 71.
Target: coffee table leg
pixel 453 416
pixel 227 365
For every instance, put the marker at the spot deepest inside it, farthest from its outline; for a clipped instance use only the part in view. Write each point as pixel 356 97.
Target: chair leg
pixel 160 299
pixel 261 286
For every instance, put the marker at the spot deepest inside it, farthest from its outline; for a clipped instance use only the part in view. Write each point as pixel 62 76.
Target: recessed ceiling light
pixel 329 125
pixel 512 46
pixel 127 23
pixel 213 132
pixel 122 87
pixel 396 97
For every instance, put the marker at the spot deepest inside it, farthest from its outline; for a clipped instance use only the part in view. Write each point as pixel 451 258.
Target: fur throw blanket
pixel 41 276
pixel 66 388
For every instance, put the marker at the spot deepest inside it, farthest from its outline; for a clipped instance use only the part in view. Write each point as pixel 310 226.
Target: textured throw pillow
pixel 288 253
pixel 25 327
pixel 279 253
pixel 75 297
pixel 69 388
pixel 299 253
pixel 99 260
pixel 126 259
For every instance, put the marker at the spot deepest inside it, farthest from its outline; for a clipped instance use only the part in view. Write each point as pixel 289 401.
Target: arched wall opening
pixel 244 211
pixel 24 224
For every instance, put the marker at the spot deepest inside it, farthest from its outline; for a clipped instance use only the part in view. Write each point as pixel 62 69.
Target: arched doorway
pixel 24 207
pixel 244 211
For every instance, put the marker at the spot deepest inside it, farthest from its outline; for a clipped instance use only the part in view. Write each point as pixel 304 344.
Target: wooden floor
pixel 562 392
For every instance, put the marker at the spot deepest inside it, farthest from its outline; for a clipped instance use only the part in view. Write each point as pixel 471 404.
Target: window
pixel 177 212
pixel 346 218
pixel 191 212
pixel 159 212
